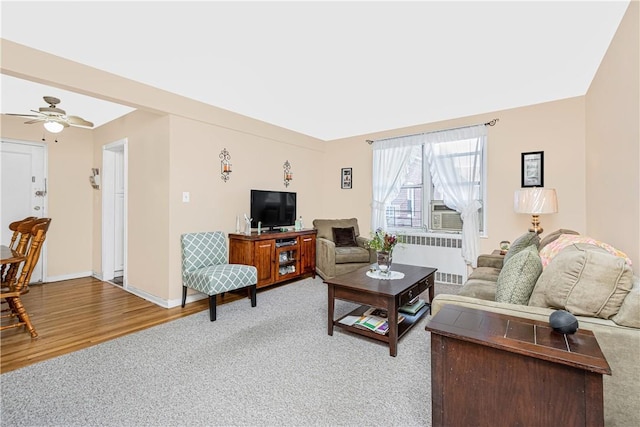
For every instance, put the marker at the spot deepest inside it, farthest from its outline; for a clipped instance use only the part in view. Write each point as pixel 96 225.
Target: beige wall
pixel 174 144
pixel 68 244
pixel 612 141
pixel 257 163
pixel 147 137
pixel 557 128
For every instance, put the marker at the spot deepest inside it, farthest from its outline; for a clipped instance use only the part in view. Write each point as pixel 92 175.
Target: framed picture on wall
pixel 532 169
pixel 347 178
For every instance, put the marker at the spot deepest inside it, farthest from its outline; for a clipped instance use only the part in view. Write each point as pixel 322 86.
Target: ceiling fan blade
pixel 22 115
pixel 30 122
pixel 79 121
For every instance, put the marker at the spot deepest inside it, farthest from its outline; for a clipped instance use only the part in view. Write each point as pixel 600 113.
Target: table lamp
pixel 535 201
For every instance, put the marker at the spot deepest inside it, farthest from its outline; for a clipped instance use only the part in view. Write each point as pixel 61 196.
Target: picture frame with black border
pixel 532 169
pixel 346 176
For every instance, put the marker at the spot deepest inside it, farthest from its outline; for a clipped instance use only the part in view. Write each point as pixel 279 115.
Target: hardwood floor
pixel 74 314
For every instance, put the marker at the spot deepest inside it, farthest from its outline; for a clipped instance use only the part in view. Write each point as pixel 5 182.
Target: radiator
pixel 441 251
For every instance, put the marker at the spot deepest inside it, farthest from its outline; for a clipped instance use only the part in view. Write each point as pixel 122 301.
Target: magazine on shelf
pixel 413 308
pixel 380 312
pixel 373 320
pixel 375 324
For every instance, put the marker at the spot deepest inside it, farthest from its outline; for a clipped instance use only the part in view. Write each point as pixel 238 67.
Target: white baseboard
pixel 163 302
pixel 132 289
pixel 190 298
pixel 68 276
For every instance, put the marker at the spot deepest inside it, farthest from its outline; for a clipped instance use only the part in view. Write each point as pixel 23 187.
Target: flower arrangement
pixel 382 241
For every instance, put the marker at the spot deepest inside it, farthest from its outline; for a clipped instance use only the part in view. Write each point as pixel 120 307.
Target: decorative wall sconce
pixel 94 179
pixel 225 165
pixel 288 176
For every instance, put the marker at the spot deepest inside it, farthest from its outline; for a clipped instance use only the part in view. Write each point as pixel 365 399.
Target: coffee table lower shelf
pixel 403 327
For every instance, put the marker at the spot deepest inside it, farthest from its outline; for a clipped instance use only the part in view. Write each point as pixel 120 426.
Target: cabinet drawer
pixel 413 292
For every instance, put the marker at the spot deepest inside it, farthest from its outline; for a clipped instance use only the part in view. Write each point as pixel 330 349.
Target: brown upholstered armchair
pixel 340 248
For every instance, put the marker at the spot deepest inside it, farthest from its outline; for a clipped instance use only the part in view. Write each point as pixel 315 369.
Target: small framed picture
pixel 532 169
pixel 347 178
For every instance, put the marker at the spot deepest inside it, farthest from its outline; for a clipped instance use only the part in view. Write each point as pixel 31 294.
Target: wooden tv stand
pixel 278 256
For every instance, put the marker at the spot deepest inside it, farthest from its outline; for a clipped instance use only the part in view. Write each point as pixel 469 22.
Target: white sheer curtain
pixel 458 176
pixel 390 160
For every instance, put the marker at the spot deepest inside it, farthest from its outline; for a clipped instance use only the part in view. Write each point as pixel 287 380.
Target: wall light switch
pixel 185 196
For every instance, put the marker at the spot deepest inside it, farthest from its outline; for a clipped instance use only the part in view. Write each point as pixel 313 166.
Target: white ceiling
pixel 325 69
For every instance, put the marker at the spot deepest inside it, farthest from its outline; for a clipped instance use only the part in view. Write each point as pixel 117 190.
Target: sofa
pixel 575 273
pixel 340 248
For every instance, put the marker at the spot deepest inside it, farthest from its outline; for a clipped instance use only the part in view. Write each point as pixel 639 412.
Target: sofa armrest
pixel 363 243
pixel 326 256
pixel 490 260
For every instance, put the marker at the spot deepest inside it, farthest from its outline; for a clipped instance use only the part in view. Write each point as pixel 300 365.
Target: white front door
pixel 24 189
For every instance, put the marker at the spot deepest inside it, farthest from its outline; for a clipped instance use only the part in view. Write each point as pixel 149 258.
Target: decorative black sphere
pixel 564 322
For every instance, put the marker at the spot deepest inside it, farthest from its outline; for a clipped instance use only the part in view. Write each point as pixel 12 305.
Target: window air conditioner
pixel 444 218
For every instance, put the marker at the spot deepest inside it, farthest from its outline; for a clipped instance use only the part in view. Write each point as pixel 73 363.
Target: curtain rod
pixel 489 123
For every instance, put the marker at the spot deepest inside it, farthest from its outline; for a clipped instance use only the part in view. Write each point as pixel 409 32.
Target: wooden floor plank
pixel 74 314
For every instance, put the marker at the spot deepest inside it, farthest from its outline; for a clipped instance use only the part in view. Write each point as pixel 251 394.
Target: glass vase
pixel 384 262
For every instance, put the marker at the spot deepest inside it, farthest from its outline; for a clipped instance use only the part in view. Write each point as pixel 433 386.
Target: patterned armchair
pixel 205 268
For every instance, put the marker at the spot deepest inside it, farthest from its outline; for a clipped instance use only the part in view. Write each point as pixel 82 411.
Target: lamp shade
pixel 535 201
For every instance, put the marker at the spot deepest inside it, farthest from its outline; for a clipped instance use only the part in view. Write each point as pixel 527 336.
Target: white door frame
pixel 108 208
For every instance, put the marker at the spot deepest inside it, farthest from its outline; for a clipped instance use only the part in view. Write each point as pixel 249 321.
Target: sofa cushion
pixel 585 280
pixel 324 226
pixel 479 288
pixel 629 313
pixel 522 242
pixel 518 276
pixel 351 254
pixel 553 236
pixel 485 273
pixel 552 249
pixel 344 236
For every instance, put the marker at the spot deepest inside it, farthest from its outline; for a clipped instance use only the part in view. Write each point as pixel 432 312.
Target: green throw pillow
pixel 518 277
pixel 522 242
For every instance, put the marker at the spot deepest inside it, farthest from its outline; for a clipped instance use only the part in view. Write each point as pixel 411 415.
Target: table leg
pixel 431 288
pixel 392 318
pixel 330 307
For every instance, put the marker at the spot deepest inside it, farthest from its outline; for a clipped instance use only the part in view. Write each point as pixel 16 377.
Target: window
pixel 418 199
pixel 407 209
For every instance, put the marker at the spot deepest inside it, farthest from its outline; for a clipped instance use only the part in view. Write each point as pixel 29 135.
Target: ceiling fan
pixel 55 119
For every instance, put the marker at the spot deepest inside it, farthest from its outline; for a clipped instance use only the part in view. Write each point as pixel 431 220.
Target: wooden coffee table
pixel 357 287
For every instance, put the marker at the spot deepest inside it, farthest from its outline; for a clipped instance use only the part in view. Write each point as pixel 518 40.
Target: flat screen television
pixel 273 208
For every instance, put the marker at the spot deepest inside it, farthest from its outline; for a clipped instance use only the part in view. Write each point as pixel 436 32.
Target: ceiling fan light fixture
pixel 53 126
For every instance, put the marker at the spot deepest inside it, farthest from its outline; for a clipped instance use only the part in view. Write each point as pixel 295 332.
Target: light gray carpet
pixel 269 365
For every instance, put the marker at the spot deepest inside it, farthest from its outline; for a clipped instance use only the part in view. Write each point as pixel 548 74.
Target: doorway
pixel 114 212
pixel 23 167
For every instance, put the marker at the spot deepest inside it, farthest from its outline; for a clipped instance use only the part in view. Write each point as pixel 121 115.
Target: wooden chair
pixel 13 293
pixel 16 232
pixel 205 268
pixel 23 229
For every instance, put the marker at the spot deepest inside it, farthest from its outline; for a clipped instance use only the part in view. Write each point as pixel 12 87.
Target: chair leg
pixel 24 317
pixel 252 289
pixel 212 307
pixel 184 295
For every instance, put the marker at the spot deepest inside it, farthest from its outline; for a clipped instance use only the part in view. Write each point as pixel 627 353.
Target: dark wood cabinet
pixel 308 254
pixel 489 368
pixel 277 256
